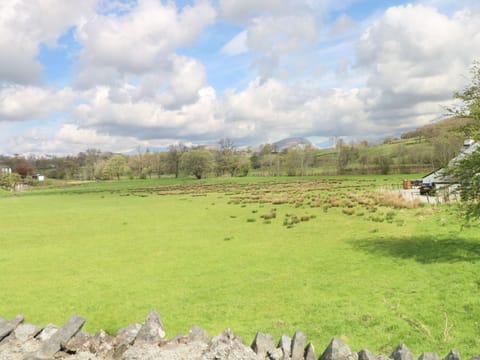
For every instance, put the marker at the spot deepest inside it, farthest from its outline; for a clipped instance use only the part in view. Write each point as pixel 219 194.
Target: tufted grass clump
pixel 384 276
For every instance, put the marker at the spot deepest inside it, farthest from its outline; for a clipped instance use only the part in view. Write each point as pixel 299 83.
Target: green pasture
pixel 222 253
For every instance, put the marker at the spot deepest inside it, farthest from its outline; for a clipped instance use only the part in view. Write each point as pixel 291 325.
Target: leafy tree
pixel 23 168
pixel 175 153
pixel 197 163
pixel 299 160
pixel 383 162
pixel 8 181
pixel 345 155
pixel 470 98
pixel 115 167
pixel 466 171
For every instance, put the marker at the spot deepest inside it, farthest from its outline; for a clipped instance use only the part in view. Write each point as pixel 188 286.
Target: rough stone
pixel 428 356
pixel 196 333
pixel 310 352
pixel 7 327
pixel 227 346
pixel 52 345
pixel 262 344
pixel 47 332
pixel 366 354
pixel 275 354
pixel 285 344
pixel 476 357
pixel 453 355
pixel 338 350
pixel 382 357
pixel 298 345
pixel 127 334
pixel 102 343
pixel 80 342
pixel 402 353
pixel 24 332
pixel 152 330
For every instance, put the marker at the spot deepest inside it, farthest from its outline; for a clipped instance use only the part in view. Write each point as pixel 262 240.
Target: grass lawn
pixel 200 252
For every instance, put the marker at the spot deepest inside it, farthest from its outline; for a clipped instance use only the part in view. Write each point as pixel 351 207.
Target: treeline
pixel 422 150
pixel 225 159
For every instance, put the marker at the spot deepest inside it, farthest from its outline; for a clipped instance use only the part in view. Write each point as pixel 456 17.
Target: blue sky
pixel 122 75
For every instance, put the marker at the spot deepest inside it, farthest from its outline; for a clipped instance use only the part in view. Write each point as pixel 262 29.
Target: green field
pixel 330 260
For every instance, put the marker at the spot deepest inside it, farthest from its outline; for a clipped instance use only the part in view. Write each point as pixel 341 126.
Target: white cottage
pixel 5 169
pixel 438 176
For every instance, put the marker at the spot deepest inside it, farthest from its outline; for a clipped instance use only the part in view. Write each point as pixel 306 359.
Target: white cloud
pixel 237 45
pixel 68 139
pixel 415 57
pixel 279 43
pixel 25 24
pixel 21 103
pixel 148 119
pixel 136 42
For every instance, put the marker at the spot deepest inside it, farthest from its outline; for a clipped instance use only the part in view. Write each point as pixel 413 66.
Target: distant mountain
pixel 291 143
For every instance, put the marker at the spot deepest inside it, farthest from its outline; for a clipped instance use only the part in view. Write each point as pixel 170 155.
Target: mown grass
pixel 370 271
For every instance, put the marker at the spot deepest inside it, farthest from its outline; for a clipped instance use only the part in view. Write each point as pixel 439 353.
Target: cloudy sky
pixel 120 75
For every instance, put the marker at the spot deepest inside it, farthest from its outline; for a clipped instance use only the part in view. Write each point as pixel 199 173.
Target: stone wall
pixel 19 340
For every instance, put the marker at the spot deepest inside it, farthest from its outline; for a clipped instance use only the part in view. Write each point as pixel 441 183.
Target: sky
pixel 126 75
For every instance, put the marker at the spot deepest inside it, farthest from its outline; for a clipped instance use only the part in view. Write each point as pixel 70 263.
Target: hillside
pixel 418 151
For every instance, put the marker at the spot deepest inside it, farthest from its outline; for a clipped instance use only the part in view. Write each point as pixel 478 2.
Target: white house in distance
pixel 38 177
pixel 5 169
pixel 437 176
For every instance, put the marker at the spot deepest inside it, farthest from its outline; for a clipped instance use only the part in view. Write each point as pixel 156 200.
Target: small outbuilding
pixel 38 177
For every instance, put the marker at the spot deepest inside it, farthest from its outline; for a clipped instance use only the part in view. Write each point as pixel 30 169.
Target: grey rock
pixel 24 332
pixel 476 357
pixel 338 350
pixel 298 345
pixel 196 333
pixel 366 354
pixel 275 354
pixel 262 344
pixel 47 332
pixel 228 346
pixel 80 342
pixel 428 356
pixel 382 357
pixel 102 343
pixel 127 334
pixel 2 321
pixel 285 344
pixel 53 345
pixel 7 327
pixel 119 351
pixel 146 351
pixel 402 353
pixel 310 352
pixel 152 330
pixel 177 339
pixel 453 355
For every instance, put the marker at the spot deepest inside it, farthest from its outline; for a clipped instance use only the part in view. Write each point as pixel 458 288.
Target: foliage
pixel 115 167
pixel 467 173
pixel 470 98
pixel 8 181
pixel 174 156
pixel 23 168
pixel 197 163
